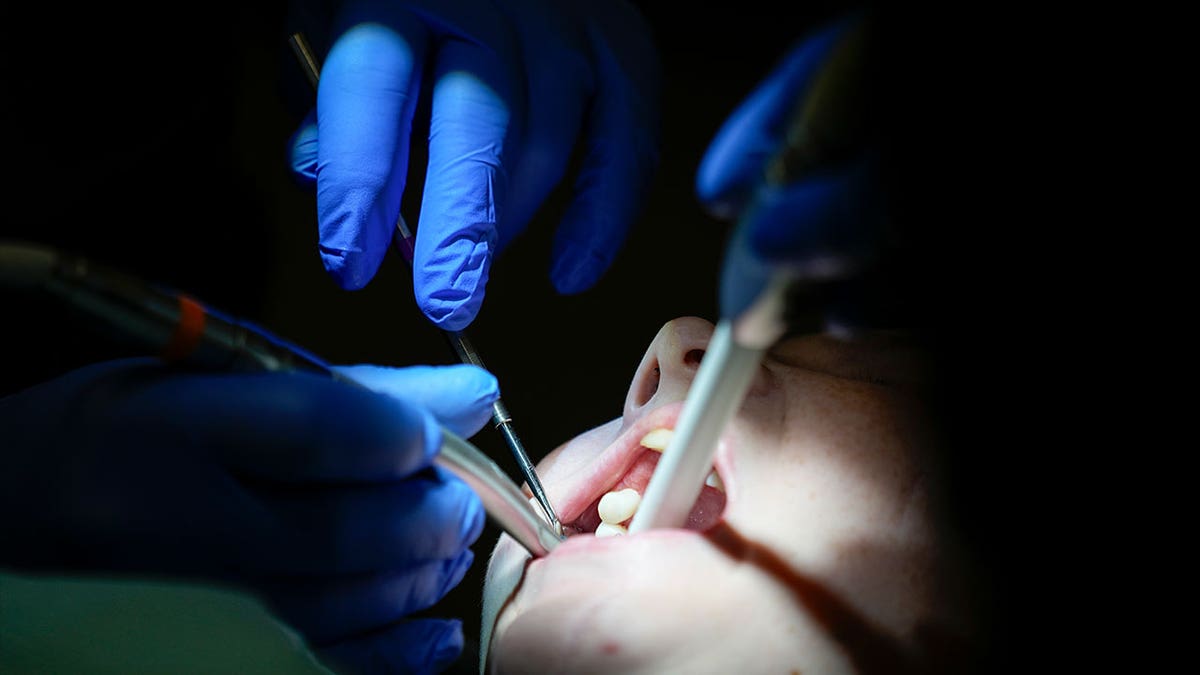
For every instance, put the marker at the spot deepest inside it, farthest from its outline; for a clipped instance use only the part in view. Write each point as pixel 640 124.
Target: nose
pixel 669 365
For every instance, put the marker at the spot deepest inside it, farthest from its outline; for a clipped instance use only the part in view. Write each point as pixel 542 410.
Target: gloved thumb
pixel 459 396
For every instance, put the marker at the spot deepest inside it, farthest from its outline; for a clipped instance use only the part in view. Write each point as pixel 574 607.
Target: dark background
pixel 156 142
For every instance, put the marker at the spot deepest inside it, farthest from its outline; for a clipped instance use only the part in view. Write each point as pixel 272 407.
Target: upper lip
pixel 580 491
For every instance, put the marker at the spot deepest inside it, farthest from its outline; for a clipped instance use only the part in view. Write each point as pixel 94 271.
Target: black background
pixel 155 141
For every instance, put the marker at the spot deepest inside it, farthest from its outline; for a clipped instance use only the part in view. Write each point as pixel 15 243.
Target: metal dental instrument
pixel 185 331
pixel 462 346
pixel 822 124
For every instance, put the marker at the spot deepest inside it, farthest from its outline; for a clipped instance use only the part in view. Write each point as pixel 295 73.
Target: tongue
pixel 704 514
pixel 707 510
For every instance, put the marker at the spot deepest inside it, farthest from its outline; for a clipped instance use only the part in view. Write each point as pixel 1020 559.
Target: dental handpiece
pixel 821 126
pixel 458 340
pixel 184 330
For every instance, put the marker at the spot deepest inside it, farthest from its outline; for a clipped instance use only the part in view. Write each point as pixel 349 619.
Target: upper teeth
pixel 658 439
pixel 618 507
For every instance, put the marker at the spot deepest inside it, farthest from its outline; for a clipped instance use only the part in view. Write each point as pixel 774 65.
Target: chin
pixel 656 602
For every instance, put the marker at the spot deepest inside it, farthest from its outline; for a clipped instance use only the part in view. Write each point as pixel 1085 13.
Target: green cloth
pixel 57 625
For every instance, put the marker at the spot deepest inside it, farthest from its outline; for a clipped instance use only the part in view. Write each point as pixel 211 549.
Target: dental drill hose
pixel 185 331
pixel 181 328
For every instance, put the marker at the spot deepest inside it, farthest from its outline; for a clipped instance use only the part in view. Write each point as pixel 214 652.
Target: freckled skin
pixel 831 480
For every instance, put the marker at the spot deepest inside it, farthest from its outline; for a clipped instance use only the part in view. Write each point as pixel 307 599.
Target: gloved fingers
pixel 622 154
pixel 366 100
pixel 302 150
pixel 290 426
pixel 551 133
pixel 559 81
pixel 734 163
pixel 826 220
pixel 416 646
pixel 471 133
pixel 609 192
pixel 356 529
pixel 823 229
pixel 327 610
pixel 460 396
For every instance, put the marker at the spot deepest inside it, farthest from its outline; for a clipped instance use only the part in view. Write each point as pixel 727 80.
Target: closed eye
pixel 886 358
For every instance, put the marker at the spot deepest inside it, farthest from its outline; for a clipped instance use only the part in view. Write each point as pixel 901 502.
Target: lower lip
pixel 622 545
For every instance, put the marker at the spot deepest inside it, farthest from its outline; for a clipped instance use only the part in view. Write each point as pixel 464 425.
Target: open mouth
pixel 609 500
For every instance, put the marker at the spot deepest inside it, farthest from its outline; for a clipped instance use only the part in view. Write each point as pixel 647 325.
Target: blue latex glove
pixel 318 495
pixel 823 226
pixel 515 86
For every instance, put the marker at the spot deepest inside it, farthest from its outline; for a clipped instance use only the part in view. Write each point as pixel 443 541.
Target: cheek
pixel 839 466
pixel 768 480
pixel 801 505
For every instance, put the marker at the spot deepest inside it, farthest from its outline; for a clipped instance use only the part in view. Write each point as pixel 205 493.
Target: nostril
pixel 693 357
pixel 648 386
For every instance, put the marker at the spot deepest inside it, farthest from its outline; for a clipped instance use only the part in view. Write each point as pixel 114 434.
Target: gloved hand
pixel 824 226
pixel 316 494
pixel 515 86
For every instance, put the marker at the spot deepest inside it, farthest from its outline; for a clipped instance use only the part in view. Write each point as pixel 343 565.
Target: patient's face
pixel 815 548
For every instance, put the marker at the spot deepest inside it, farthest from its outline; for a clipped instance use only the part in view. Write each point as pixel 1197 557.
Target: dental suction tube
pixel 825 126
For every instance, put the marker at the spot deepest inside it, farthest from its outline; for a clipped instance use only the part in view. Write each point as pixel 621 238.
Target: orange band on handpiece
pixel 187 332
